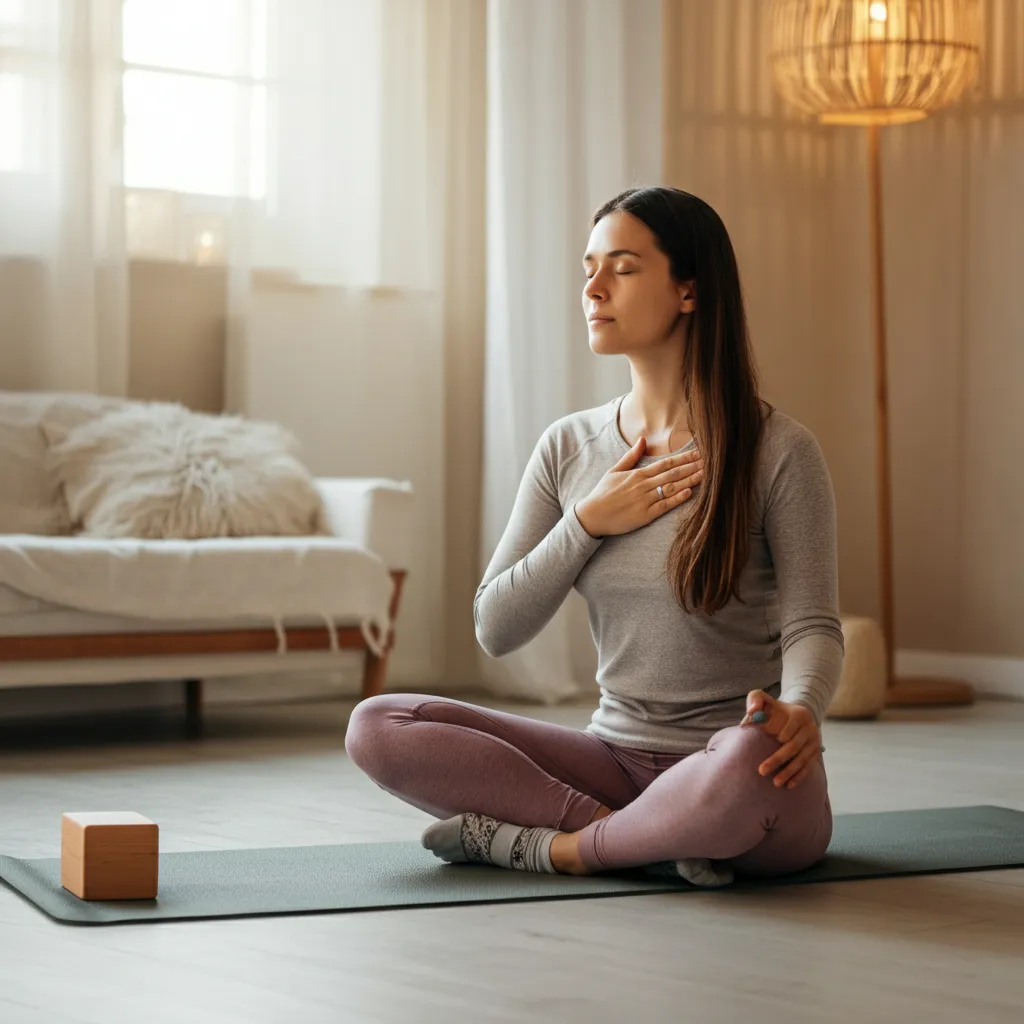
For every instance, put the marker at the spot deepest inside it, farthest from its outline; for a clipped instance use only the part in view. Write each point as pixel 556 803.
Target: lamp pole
pixel 882 457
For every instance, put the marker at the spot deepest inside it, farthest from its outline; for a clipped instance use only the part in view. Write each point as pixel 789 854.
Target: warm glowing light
pixel 875 61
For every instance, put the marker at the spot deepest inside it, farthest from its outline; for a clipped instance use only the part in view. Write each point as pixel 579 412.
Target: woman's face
pixel 630 298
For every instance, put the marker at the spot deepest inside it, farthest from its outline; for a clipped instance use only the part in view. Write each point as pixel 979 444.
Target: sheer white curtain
pixel 574 114
pixel 287 137
pixel 282 135
pixel 335 172
pixel 62 253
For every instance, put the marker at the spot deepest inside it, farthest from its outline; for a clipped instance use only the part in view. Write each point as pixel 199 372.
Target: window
pixel 291 136
pixel 20 53
pixel 195 121
pixel 195 96
pixel 13 141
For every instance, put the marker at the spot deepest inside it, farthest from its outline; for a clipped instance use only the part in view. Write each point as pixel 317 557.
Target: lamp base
pixel 916 693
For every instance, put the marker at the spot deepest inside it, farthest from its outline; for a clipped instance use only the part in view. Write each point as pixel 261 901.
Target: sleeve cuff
pixel 580 540
pixel 806 697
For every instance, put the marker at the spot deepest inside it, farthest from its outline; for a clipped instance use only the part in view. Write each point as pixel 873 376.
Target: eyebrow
pixel 589 258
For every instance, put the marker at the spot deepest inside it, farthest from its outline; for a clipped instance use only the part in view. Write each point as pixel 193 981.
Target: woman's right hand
pixel 626 498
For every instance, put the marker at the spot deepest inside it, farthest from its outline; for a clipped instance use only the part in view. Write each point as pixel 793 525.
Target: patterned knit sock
pixel 477 839
pixel 699 871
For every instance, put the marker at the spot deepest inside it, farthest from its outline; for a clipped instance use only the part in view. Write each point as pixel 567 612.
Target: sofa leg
pixel 374 672
pixel 193 708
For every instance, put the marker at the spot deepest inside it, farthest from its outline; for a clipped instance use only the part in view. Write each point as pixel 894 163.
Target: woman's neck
pixel 656 404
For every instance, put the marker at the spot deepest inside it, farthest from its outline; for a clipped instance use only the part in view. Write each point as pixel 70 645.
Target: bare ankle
pixel 565 854
pixel 565 848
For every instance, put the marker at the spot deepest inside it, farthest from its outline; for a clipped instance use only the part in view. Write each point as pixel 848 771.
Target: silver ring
pixel 661 493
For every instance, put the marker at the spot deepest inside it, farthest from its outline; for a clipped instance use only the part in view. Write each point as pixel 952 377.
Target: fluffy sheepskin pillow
pixel 157 470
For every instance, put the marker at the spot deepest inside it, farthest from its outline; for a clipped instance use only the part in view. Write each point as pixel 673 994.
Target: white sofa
pixel 75 609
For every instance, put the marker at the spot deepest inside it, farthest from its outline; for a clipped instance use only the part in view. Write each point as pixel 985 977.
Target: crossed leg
pixel 448 757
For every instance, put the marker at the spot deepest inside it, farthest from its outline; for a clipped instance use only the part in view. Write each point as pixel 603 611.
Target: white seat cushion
pixel 272 579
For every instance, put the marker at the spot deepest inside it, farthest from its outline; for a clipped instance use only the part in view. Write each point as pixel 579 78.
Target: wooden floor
pixel 936 948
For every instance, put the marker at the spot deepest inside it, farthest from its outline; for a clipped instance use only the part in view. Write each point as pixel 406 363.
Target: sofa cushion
pixel 30 498
pixel 157 470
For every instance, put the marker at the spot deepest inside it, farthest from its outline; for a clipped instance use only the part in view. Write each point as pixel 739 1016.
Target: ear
pixel 687 296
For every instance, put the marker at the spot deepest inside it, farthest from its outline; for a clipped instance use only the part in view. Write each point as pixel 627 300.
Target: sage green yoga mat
pixel 363 876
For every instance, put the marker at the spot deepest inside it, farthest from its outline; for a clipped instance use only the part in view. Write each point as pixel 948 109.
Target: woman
pixel 699 524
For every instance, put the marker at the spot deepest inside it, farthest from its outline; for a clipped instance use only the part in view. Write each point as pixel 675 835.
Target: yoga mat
pixel 361 876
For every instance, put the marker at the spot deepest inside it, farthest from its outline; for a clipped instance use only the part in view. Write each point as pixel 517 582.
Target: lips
pixel 601 319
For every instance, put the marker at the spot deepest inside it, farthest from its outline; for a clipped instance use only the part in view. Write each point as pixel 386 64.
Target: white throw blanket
pixel 266 577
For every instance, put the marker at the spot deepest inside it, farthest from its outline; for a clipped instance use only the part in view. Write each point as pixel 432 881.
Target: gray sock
pixel 699 871
pixel 477 839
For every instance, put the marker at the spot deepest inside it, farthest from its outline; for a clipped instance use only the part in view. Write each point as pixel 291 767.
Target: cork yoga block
pixel 109 855
pixel 862 686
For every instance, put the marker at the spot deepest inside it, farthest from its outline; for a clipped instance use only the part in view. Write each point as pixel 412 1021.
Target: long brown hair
pixel 720 384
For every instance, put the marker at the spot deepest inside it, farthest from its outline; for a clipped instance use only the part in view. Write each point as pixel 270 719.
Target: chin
pixel 606 343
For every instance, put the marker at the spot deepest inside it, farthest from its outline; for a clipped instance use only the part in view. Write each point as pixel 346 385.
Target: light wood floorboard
pixel 934 948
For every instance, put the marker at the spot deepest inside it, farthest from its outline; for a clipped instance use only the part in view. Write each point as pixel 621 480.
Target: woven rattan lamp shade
pixel 873 62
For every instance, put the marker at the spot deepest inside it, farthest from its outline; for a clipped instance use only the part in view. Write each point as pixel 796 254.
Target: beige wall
pixel 22 291
pixel 176 317
pixel 794 196
pixel 954 212
pixel 954 224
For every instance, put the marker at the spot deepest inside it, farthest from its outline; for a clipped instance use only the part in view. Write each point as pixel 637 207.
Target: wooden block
pixel 109 855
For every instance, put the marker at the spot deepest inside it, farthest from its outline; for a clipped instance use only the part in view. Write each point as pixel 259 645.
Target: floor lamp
pixel 873 63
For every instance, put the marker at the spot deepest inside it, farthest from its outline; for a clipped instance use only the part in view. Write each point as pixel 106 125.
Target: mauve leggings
pixel 447 757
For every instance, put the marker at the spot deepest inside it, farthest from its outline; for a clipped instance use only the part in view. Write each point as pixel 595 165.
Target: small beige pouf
pixel 862 687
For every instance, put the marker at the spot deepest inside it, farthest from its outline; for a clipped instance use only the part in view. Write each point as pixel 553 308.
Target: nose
pixel 594 289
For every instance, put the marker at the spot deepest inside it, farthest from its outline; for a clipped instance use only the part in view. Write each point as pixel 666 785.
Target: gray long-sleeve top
pixel 669 678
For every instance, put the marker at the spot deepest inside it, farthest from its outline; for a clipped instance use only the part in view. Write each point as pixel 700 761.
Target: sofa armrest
pixel 376 514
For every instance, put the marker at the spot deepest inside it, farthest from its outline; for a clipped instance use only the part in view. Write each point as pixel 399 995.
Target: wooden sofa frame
pixel 237 641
